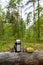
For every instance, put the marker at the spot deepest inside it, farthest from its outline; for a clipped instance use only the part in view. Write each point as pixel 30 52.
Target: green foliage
pixel 8 17
pixel 13 27
pixel 1 28
pixel 8 29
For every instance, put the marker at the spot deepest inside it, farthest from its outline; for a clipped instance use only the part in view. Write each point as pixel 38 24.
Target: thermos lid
pixel 18 41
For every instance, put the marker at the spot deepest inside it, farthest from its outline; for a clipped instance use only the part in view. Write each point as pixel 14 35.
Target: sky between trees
pixel 4 3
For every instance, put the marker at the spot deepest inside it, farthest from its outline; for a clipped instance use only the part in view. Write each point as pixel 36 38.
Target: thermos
pixel 17 46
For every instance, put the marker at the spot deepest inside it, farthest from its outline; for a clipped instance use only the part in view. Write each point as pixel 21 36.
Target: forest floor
pixel 5 46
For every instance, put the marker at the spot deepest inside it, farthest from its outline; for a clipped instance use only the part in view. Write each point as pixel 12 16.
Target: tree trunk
pixel 38 23
pixel 22 58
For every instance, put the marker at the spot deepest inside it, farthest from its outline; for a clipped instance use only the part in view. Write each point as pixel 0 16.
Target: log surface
pixel 22 58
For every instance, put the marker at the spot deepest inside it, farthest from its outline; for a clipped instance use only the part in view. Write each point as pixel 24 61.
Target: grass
pixel 36 46
pixel 5 45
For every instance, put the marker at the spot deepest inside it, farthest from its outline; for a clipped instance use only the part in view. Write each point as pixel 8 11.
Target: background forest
pixel 13 26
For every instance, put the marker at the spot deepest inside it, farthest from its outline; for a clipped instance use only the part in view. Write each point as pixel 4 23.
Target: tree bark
pixel 22 58
pixel 38 22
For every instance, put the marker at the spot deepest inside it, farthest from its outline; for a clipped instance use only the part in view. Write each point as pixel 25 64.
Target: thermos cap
pixel 18 41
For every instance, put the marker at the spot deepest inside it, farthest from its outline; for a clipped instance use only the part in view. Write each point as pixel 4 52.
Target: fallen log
pixel 22 58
